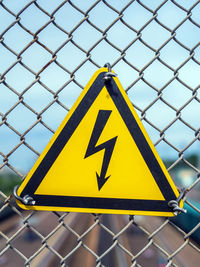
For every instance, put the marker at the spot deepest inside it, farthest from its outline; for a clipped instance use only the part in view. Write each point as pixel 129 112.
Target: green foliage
pixel 8 181
pixel 193 159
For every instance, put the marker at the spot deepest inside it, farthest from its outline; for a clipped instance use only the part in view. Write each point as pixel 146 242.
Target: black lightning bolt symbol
pixel 100 123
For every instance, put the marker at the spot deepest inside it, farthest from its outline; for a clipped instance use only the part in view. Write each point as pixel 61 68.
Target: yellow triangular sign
pixel 100 160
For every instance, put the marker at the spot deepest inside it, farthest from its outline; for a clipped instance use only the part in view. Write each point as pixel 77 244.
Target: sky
pixel 54 78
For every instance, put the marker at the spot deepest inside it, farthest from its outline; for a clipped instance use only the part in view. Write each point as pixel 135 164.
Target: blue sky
pixel 54 77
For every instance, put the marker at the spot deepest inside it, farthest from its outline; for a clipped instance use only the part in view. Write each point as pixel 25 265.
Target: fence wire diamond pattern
pixel 48 53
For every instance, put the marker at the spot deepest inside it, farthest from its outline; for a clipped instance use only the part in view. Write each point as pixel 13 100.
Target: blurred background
pixel 50 49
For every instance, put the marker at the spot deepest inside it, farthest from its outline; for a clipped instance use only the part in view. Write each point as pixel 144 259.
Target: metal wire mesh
pixel 34 38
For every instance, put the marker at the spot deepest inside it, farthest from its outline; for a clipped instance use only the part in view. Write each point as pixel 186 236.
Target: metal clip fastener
pixel 26 200
pixel 174 204
pixel 109 74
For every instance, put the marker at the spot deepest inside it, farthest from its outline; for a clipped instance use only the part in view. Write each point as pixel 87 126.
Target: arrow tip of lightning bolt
pixel 101 180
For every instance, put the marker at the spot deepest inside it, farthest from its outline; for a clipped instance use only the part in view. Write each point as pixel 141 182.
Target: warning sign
pixel 100 160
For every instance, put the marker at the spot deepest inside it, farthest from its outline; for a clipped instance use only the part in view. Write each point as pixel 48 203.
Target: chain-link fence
pixel 49 50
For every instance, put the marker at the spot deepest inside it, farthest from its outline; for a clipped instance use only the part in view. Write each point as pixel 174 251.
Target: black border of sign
pixel 95 202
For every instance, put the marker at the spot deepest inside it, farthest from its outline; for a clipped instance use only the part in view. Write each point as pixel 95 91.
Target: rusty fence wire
pixel 49 50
